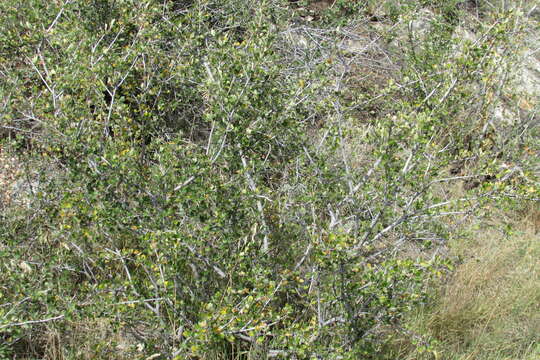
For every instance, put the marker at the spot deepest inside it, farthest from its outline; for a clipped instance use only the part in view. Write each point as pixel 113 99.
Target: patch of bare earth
pixel 9 172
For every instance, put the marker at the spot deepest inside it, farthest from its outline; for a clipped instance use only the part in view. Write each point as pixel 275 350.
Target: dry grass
pixel 91 339
pixel 99 339
pixel 490 308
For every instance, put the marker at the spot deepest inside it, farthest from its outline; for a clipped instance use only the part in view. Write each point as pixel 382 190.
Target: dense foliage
pixel 217 179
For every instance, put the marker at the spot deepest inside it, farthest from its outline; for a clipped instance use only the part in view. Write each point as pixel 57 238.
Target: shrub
pixel 192 187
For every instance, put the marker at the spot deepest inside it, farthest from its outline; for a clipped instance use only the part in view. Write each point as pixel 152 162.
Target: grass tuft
pixel 490 308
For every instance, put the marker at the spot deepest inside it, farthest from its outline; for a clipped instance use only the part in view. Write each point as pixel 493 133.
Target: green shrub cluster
pixel 190 183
